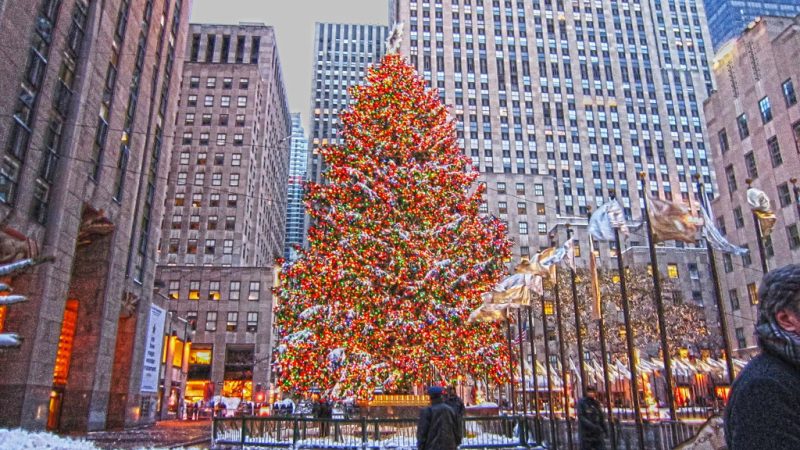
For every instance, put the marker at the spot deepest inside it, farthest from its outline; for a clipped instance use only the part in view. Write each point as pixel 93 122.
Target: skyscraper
pixel 754 123
pixel 86 113
pixel 226 203
pixel 295 215
pixel 728 18
pixel 342 54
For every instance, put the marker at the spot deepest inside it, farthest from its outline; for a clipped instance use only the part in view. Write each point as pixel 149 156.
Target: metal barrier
pixel 357 434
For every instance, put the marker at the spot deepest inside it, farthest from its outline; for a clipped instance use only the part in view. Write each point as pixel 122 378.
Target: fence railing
pixel 496 432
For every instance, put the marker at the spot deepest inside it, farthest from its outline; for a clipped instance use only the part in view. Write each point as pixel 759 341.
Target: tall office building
pixel 85 118
pixel 342 54
pixel 728 18
pixel 561 103
pixel 754 122
pixel 296 212
pixel 224 223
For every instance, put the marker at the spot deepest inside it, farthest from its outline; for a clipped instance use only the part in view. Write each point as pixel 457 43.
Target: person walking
pixel 454 401
pixel 764 406
pixel 591 421
pixel 438 427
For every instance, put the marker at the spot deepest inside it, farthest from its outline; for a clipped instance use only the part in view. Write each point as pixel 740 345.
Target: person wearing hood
pixel 764 406
pixel 438 427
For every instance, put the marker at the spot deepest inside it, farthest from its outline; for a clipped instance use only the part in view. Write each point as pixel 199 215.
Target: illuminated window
pixel 232 322
pixel 213 290
pixel 197 199
pixel 65 342
pixel 174 289
pixel 752 292
pixel 180 198
pixel 548 308
pixel 191 247
pixel 672 271
pixel 194 290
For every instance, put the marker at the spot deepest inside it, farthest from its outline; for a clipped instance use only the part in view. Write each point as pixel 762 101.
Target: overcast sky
pixel 294 27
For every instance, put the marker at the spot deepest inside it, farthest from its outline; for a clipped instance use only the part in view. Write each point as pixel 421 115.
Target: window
pixel 733 295
pixel 672 271
pixel 788 93
pixel 189 119
pixel 541 228
pixel 523 228
pixel 194 222
pixel 213 290
pixel 187 138
pixel 211 82
pixel 194 290
pixel 180 198
pixel 211 321
pixel 227 83
pixel 234 290
pixel 236 159
pixel 234 181
pixel 174 289
pixel 741 342
pixel 197 199
pixel 192 100
pixel 194 82
pixel 199 178
pixel 730 176
pixel 227 247
pixel 225 101
pixel 222 138
pixel 693 272
pixel 233 199
pixel 184 158
pixel 501 188
pixel 181 178
pixel 524 250
pixel 244 83
pixel 241 102
pixel 223 120
pixel 255 291
pixel 206 119
pixel 774 151
pixel 211 245
pixel 750 165
pixel 238 139
pixel 747 258
pixel 723 140
pixel 520 188
pixel 727 262
pixel 211 224
pixel 233 320
pixel 502 207
pixel 522 208
pixel 202 158
pixel 204 137
pixel 540 209
pixel 766 109
pixel 252 322
pixel 784 195
pixel 174 243
pixel 230 223
pixel 191 318
pixel 794 236
pixel 191 247
pixel 538 189
pixel 741 122
pixel 769 250
pixel 738 218
pixel 177 221
pixel 752 292
pixel 219 159
pixel 213 200
pixel 209 100
pixel 240 119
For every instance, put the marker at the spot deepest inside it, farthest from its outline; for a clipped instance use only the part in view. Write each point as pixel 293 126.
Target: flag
pixel 513 291
pixel 597 308
pixel 673 221
pixel 714 237
pixel 535 266
pixel 489 313
pixel 562 253
pixel 605 219
pixel 760 203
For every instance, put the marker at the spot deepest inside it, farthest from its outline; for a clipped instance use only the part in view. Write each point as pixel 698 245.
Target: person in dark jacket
pixel 764 406
pixel 438 427
pixel 454 401
pixel 591 422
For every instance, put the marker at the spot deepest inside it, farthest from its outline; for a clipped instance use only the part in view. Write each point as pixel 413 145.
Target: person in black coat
pixel 591 422
pixel 438 427
pixel 454 401
pixel 764 406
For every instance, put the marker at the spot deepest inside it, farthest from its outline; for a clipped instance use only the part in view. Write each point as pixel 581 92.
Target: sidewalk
pixel 164 434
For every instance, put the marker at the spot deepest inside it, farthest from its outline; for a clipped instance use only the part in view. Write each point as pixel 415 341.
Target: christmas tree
pixel 398 254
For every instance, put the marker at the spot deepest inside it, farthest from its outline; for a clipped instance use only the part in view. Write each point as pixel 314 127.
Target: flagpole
pixel 549 377
pixel 562 353
pixel 522 362
pixel 601 326
pixel 534 370
pixel 511 364
pixel 759 235
pixel 578 326
pixel 662 326
pixel 796 191
pixel 723 324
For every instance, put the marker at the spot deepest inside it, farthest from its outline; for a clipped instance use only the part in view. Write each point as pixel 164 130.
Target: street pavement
pixel 165 434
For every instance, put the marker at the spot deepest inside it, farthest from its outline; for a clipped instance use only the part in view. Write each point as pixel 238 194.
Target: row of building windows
pixel 216 179
pixel 765 108
pixel 231 321
pixel 224 101
pixel 214 200
pixel 214 291
pixel 201 159
pixel 222 120
pixel 224 55
pixel 211 83
pixel 192 246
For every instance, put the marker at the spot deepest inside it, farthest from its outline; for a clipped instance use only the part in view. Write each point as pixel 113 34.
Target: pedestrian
pixel 591 421
pixel 189 411
pixel 438 427
pixel 454 401
pixel 764 406
pixel 325 413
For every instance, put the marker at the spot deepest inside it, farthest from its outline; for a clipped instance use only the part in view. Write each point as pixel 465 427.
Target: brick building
pixel 754 122
pixel 226 203
pixel 86 112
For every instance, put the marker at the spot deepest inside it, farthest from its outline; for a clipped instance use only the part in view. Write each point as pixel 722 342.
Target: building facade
pixel 754 123
pixel 342 54
pixel 86 117
pixel 225 214
pixel 729 18
pixel 296 212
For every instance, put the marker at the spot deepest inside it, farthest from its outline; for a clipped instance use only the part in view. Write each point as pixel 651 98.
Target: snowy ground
pixel 18 439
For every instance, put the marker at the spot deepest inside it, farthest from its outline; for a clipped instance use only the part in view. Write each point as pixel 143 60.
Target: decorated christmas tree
pixel 398 254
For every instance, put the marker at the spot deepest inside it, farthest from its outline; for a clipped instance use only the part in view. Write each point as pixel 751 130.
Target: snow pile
pixel 26 440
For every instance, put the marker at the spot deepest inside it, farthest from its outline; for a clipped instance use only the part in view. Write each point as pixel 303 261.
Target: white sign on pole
pixel 152 350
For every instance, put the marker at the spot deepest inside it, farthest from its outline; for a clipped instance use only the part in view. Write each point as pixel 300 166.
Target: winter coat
pixel 457 405
pixel 591 421
pixel 438 427
pixel 764 406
